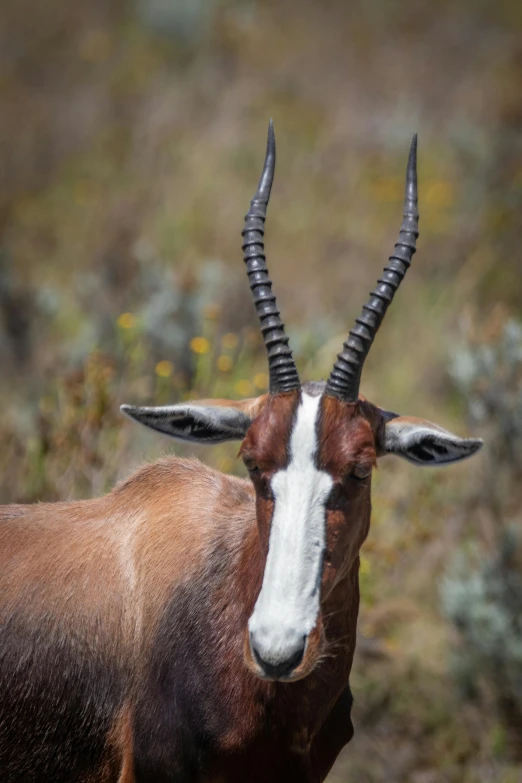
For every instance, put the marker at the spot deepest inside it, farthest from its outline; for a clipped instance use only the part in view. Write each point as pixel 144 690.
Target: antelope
pixel 196 627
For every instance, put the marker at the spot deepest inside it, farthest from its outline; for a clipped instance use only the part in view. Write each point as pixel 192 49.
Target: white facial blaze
pixel 288 604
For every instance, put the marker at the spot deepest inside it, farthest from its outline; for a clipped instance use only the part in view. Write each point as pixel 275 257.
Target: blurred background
pixel 131 139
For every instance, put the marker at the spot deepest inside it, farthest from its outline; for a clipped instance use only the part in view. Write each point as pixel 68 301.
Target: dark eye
pixel 336 498
pixel 361 472
pixel 252 467
pixel 259 478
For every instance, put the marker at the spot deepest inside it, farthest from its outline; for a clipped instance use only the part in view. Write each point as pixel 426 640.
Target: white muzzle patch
pixel 288 604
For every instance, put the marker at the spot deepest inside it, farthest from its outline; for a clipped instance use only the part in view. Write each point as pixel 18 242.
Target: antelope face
pixel 310 457
pixel 309 450
pixel 313 508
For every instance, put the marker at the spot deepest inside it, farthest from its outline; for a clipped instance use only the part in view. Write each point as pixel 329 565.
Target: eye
pixel 259 478
pixel 361 472
pixel 336 498
pixel 251 466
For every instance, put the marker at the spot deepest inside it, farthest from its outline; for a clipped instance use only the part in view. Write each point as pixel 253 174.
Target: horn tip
pixel 265 183
pixel 411 170
pixel 270 142
pixel 412 157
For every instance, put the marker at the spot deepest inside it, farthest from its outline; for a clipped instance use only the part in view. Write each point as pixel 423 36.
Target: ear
pixel 423 443
pixel 207 421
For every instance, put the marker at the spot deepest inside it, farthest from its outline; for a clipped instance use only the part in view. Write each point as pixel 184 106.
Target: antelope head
pixel 309 449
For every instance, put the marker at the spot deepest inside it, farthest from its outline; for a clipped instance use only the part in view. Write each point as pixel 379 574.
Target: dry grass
pixel 128 158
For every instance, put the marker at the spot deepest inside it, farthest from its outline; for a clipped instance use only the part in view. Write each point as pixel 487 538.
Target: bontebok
pixel 191 626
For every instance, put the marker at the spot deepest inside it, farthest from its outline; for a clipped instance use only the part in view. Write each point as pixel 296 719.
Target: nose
pixel 280 662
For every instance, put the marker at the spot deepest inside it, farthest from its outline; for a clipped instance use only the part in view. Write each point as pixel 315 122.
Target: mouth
pixel 296 667
pixel 280 671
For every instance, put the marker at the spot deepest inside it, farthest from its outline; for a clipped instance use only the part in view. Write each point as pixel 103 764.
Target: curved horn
pixel 345 377
pixel 281 366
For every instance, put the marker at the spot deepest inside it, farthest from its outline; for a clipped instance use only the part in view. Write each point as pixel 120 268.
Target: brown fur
pixel 141 600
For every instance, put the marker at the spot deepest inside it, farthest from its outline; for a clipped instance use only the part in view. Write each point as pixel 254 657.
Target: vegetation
pixel 131 137
pixel 482 594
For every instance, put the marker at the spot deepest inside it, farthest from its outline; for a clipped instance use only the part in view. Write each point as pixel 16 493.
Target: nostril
pixel 282 667
pixel 294 660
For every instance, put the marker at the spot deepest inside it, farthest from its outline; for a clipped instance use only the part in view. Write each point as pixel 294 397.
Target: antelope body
pixel 193 627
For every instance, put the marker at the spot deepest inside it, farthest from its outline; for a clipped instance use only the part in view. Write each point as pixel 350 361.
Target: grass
pixel 123 194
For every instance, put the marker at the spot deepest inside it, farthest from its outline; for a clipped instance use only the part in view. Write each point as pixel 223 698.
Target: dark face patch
pixel 266 442
pixel 347 452
pixel 265 451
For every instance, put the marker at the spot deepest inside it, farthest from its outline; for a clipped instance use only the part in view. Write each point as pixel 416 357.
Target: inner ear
pixel 208 421
pixel 423 443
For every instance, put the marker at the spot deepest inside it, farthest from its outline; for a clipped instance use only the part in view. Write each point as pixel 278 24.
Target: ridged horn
pixel 281 366
pixel 345 378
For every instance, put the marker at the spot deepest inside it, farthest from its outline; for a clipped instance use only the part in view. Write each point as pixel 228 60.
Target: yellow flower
pixel 229 341
pixel 164 369
pixel 224 363
pixel 243 388
pixel 261 380
pixel 200 345
pixel 126 321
